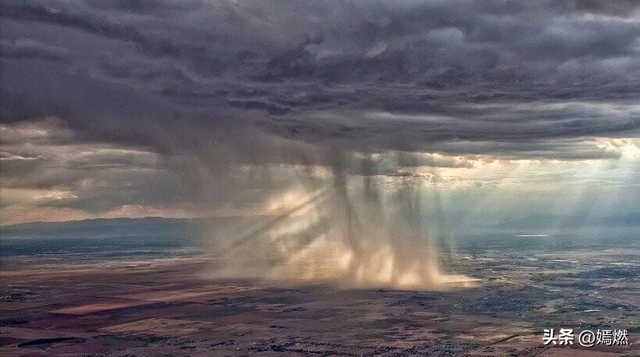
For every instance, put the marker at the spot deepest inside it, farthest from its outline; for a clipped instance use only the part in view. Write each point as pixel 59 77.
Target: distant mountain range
pixel 190 227
pixel 103 228
pixel 574 221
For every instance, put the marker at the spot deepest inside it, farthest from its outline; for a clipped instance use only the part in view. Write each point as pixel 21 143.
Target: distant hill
pixel 575 221
pixel 149 227
pixel 103 228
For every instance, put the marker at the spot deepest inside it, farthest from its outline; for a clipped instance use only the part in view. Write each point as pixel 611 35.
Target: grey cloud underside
pixel 99 179
pixel 510 78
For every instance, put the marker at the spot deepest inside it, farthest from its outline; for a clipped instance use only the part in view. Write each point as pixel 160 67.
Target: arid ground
pixel 166 306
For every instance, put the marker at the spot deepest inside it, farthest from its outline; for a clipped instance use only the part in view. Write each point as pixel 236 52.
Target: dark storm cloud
pixel 511 78
pixel 28 48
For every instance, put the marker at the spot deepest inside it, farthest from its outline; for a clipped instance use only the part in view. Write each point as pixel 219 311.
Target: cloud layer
pixel 214 86
pixel 367 72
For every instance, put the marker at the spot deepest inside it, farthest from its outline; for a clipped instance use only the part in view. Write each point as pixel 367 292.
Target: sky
pixel 493 110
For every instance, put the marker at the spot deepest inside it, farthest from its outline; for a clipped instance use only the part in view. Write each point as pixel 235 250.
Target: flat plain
pixel 165 305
